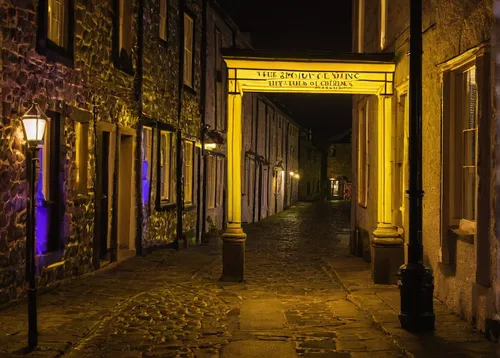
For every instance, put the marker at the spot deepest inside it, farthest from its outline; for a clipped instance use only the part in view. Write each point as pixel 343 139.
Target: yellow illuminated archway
pixel 264 71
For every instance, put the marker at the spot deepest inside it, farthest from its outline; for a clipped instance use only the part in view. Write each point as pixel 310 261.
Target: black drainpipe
pixel 138 91
pixel 286 166
pixel 180 201
pixel 202 212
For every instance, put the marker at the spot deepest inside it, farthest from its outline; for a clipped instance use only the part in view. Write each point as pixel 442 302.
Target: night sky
pixel 314 25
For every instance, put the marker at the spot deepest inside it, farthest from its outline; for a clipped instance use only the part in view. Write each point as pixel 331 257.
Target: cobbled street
pixel 171 304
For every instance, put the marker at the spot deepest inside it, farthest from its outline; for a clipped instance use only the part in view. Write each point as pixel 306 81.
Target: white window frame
pixel 188 50
pixel 188 172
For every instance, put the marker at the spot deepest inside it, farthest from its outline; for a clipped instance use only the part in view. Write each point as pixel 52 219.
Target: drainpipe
pixel 138 92
pixel 202 212
pixel 114 213
pixel 179 191
pixel 416 281
pixel 286 166
pixel 255 116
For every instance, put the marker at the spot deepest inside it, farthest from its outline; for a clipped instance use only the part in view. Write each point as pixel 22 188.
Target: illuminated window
pixel 383 23
pixel 188 171
pixel 460 146
pixel 146 153
pixel 82 155
pixel 211 178
pixel 125 27
pixel 163 19
pixel 363 155
pixel 57 12
pixel 188 50
pixel 361 25
pixel 166 167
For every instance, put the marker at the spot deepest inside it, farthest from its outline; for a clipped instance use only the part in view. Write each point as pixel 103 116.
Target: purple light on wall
pixel 145 183
pixel 41 214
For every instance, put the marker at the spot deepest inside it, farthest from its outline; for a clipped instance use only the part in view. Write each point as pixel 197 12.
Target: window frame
pixel 361 26
pixel 211 181
pixel 187 85
pixel 125 63
pixel 164 19
pixel 363 147
pixel 147 155
pixel 162 204
pixel 47 47
pixel 383 12
pixel 188 176
pixel 81 157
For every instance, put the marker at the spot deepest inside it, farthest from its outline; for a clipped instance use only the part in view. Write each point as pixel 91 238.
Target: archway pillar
pixel 387 245
pixel 233 250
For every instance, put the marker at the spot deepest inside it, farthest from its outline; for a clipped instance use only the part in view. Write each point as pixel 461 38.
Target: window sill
pixel 189 89
pixel 58 54
pixel 189 207
pixel 166 206
pixel 462 235
pixel 163 42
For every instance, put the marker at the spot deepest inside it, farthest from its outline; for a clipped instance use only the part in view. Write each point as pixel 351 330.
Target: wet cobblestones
pixel 284 262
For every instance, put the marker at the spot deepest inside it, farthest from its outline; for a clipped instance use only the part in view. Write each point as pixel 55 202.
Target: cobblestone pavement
pixel 168 304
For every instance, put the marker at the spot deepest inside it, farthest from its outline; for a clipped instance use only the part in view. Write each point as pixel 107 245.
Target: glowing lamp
pixel 291 174
pixel 297 176
pixel 210 146
pixel 34 122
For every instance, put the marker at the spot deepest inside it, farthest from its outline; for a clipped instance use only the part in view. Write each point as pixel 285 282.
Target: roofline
pixel 307 56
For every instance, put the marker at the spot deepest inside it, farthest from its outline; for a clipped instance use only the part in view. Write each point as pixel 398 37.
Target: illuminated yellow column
pixel 387 245
pixel 233 251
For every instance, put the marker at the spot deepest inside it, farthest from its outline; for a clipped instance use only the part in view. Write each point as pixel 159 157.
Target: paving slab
pixel 262 315
pixel 259 349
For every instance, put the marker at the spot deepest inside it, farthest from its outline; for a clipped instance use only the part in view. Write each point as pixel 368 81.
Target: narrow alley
pixel 297 301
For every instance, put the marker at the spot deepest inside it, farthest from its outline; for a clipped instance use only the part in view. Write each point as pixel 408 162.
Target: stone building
pixel 459 133
pixel 339 166
pixel 133 157
pixel 271 153
pixel 309 168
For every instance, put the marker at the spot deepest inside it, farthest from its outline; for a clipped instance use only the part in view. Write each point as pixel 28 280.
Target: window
pixel 167 170
pixel 361 25
pixel 220 181
pixel 188 50
pixel 188 172
pixel 82 155
pixel 55 30
pixel 211 180
pixel 401 161
pixel 383 23
pixel 460 147
pixel 219 95
pixel 363 155
pixel 469 144
pixel 163 19
pixel 125 27
pixel 57 11
pixel 146 153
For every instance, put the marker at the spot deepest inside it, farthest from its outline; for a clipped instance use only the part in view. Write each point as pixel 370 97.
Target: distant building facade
pixel 459 135
pixel 339 168
pixel 134 152
pixel 309 168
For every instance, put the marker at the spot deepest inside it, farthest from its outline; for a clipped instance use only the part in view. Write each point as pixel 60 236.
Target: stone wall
pixel 341 164
pixel 309 171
